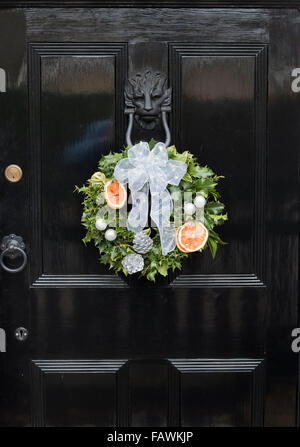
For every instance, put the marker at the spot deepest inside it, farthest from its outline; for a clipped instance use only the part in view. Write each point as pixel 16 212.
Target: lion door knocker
pixel 147 99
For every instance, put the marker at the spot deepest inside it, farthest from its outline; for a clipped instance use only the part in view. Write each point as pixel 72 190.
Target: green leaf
pixel 172 151
pixel 181 157
pixel 152 143
pixel 202 172
pixel 151 275
pixel 108 162
pixel 218 217
pixel 213 235
pixel 208 184
pixel 214 207
pixel 187 178
pixel 191 166
pixel 213 245
pixel 186 185
pixel 163 269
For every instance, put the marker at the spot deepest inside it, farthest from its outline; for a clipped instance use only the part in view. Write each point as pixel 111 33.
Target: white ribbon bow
pixel 144 168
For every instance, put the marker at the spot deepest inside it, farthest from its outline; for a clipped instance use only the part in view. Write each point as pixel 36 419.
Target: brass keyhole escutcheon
pixel 13 173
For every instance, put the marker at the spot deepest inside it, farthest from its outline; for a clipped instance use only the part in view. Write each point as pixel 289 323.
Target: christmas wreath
pixel 184 209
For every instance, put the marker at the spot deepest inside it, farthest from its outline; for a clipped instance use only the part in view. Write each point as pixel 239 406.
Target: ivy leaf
pixel 87 238
pixel 163 269
pixel 208 184
pixel 187 177
pixel 151 275
pixel 217 218
pixel 108 162
pixel 213 235
pixel 214 207
pixel 152 143
pixel 186 185
pixel 172 152
pixel 202 172
pixel 191 166
pixel 213 245
pixel 181 157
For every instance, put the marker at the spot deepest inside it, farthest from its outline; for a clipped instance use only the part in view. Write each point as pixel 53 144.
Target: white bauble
pixel 189 209
pixel 200 201
pixel 110 235
pixel 100 224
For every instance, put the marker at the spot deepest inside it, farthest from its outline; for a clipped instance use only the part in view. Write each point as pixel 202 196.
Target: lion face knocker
pixel 146 96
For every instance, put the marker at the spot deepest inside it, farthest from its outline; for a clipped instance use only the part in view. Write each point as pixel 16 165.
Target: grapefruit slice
pixel 115 194
pixel 192 236
pixel 177 241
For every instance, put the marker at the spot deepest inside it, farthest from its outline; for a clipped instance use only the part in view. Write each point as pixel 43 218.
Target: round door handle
pixel 11 246
pixel 18 269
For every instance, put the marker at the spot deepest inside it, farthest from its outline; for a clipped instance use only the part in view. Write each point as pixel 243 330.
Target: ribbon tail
pixel 161 208
pixel 138 216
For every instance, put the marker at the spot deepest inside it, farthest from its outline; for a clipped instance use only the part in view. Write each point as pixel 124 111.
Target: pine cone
pixel 142 243
pixel 133 263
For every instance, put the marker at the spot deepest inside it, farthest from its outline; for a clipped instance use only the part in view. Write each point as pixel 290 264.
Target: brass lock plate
pixel 13 173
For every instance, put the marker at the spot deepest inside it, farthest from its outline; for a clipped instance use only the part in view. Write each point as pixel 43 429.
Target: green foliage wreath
pixel 198 179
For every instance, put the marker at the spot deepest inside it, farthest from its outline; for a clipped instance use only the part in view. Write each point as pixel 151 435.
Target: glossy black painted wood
pixel 211 346
pixel 154 3
pixel 202 105
pixel 85 94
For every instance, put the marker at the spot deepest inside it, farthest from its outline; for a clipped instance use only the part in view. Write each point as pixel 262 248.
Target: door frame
pixel 276 4
pixel 232 4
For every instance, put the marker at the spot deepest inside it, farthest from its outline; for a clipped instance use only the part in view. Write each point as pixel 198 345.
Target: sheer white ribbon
pixel 143 169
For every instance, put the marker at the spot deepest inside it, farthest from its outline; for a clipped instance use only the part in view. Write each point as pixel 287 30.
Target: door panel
pixel 87 391
pixel 208 347
pixel 191 393
pixel 73 86
pixel 221 393
pixel 218 86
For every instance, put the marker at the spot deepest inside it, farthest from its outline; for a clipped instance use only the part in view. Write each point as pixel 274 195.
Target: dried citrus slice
pixel 192 236
pixel 177 241
pixel 115 194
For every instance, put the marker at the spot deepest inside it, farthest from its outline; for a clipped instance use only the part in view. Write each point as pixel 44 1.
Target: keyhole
pixel 21 333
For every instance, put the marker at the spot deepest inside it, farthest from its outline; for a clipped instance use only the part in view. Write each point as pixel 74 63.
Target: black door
pixel 212 346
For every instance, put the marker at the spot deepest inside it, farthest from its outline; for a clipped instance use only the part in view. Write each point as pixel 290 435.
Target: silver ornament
pixel 200 201
pixel 133 263
pixel 142 243
pixel 110 235
pixel 100 224
pixel 189 209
